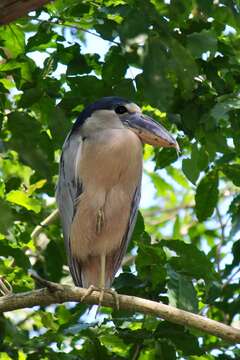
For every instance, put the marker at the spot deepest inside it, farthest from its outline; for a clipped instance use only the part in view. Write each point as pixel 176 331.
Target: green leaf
pixel 115 344
pixel 115 65
pixel 29 97
pixel 190 170
pixel 150 262
pixel 180 337
pixel 232 172
pixel 165 157
pixel 38 185
pixel 198 162
pixel 178 176
pixel 12 37
pixel 154 83
pixel 165 351
pixel 6 218
pixel 44 35
pixel 161 185
pixel 181 292
pixel 40 156
pixel 20 258
pixel 48 321
pixel 234 211
pixel 201 42
pixel 54 263
pixel 139 227
pixel 190 260
pixel 78 65
pixel 224 105
pixel 21 198
pixel 207 196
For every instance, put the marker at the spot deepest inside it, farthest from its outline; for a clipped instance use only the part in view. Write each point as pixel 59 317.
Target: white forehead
pixel 132 107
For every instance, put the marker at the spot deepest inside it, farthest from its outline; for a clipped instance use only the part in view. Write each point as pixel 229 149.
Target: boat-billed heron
pixel 99 186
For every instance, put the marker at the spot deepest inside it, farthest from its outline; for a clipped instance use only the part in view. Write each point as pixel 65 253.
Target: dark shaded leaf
pixel 181 292
pixel 207 196
pixel 232 172
pixel 190 261
pixel 150 263
pixel 200 43
pixel 165 157
pixel 180 337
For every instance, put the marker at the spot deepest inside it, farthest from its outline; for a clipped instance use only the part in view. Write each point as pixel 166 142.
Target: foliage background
pixel 188 243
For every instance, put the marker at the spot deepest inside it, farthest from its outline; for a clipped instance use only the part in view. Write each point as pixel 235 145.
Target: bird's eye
pixel 120 109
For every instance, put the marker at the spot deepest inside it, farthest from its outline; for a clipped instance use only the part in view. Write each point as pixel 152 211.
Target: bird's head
pixel 115 112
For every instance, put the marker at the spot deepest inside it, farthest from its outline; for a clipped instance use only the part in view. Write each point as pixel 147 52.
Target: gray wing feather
pixel 68 190
pixel 128 234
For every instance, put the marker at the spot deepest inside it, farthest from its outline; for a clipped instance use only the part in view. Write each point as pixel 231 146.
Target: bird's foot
pixel 89 292
pixel 101 295
pixel 111 292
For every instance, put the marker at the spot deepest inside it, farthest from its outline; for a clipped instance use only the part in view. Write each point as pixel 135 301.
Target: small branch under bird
pixel 98 190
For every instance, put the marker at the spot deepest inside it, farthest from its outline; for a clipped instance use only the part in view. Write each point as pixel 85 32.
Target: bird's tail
pixel 91 272
pixel 75 270
pixel 88 272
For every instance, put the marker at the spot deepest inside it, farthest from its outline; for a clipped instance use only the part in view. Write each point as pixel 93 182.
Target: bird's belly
pixel 103 210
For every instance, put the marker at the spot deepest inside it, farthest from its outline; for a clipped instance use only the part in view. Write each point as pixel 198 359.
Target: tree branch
pixel 56 293
pixel 15 9
pixel 50 219
pixel 222 239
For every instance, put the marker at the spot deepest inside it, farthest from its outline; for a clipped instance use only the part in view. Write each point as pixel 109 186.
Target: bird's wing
pixel 68 190
pixel 117 259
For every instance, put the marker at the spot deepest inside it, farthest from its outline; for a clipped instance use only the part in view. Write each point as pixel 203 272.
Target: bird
pixel 99 186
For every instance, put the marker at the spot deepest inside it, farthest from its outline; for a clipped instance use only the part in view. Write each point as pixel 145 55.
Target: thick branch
pixel 13 9
pixel 55 293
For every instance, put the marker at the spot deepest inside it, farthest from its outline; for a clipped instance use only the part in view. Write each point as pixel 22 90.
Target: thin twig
pixel 231 278
pixel 222 239
pixel 45 283
pixel 65 293
pixel 50 219
pixel 128 260
pixel 152 212
pixel 5 287
pixel 137 351
pixel 77 27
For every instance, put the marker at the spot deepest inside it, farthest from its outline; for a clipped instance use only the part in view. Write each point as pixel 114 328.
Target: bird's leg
pixel 102 277
pixel 102 283
pixel 101 287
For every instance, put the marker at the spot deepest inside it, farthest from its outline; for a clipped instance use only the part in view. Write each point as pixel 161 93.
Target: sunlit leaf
pixel 21 198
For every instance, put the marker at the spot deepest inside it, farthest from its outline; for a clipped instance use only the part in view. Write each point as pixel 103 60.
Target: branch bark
pixel 56 293
pixel 13 9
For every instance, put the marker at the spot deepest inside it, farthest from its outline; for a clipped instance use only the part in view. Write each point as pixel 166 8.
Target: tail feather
pixel 88 272
pixel 91 270
pixel 75 270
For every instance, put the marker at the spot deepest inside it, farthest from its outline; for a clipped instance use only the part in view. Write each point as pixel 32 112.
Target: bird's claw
pixel 89 291
pixel 101 295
